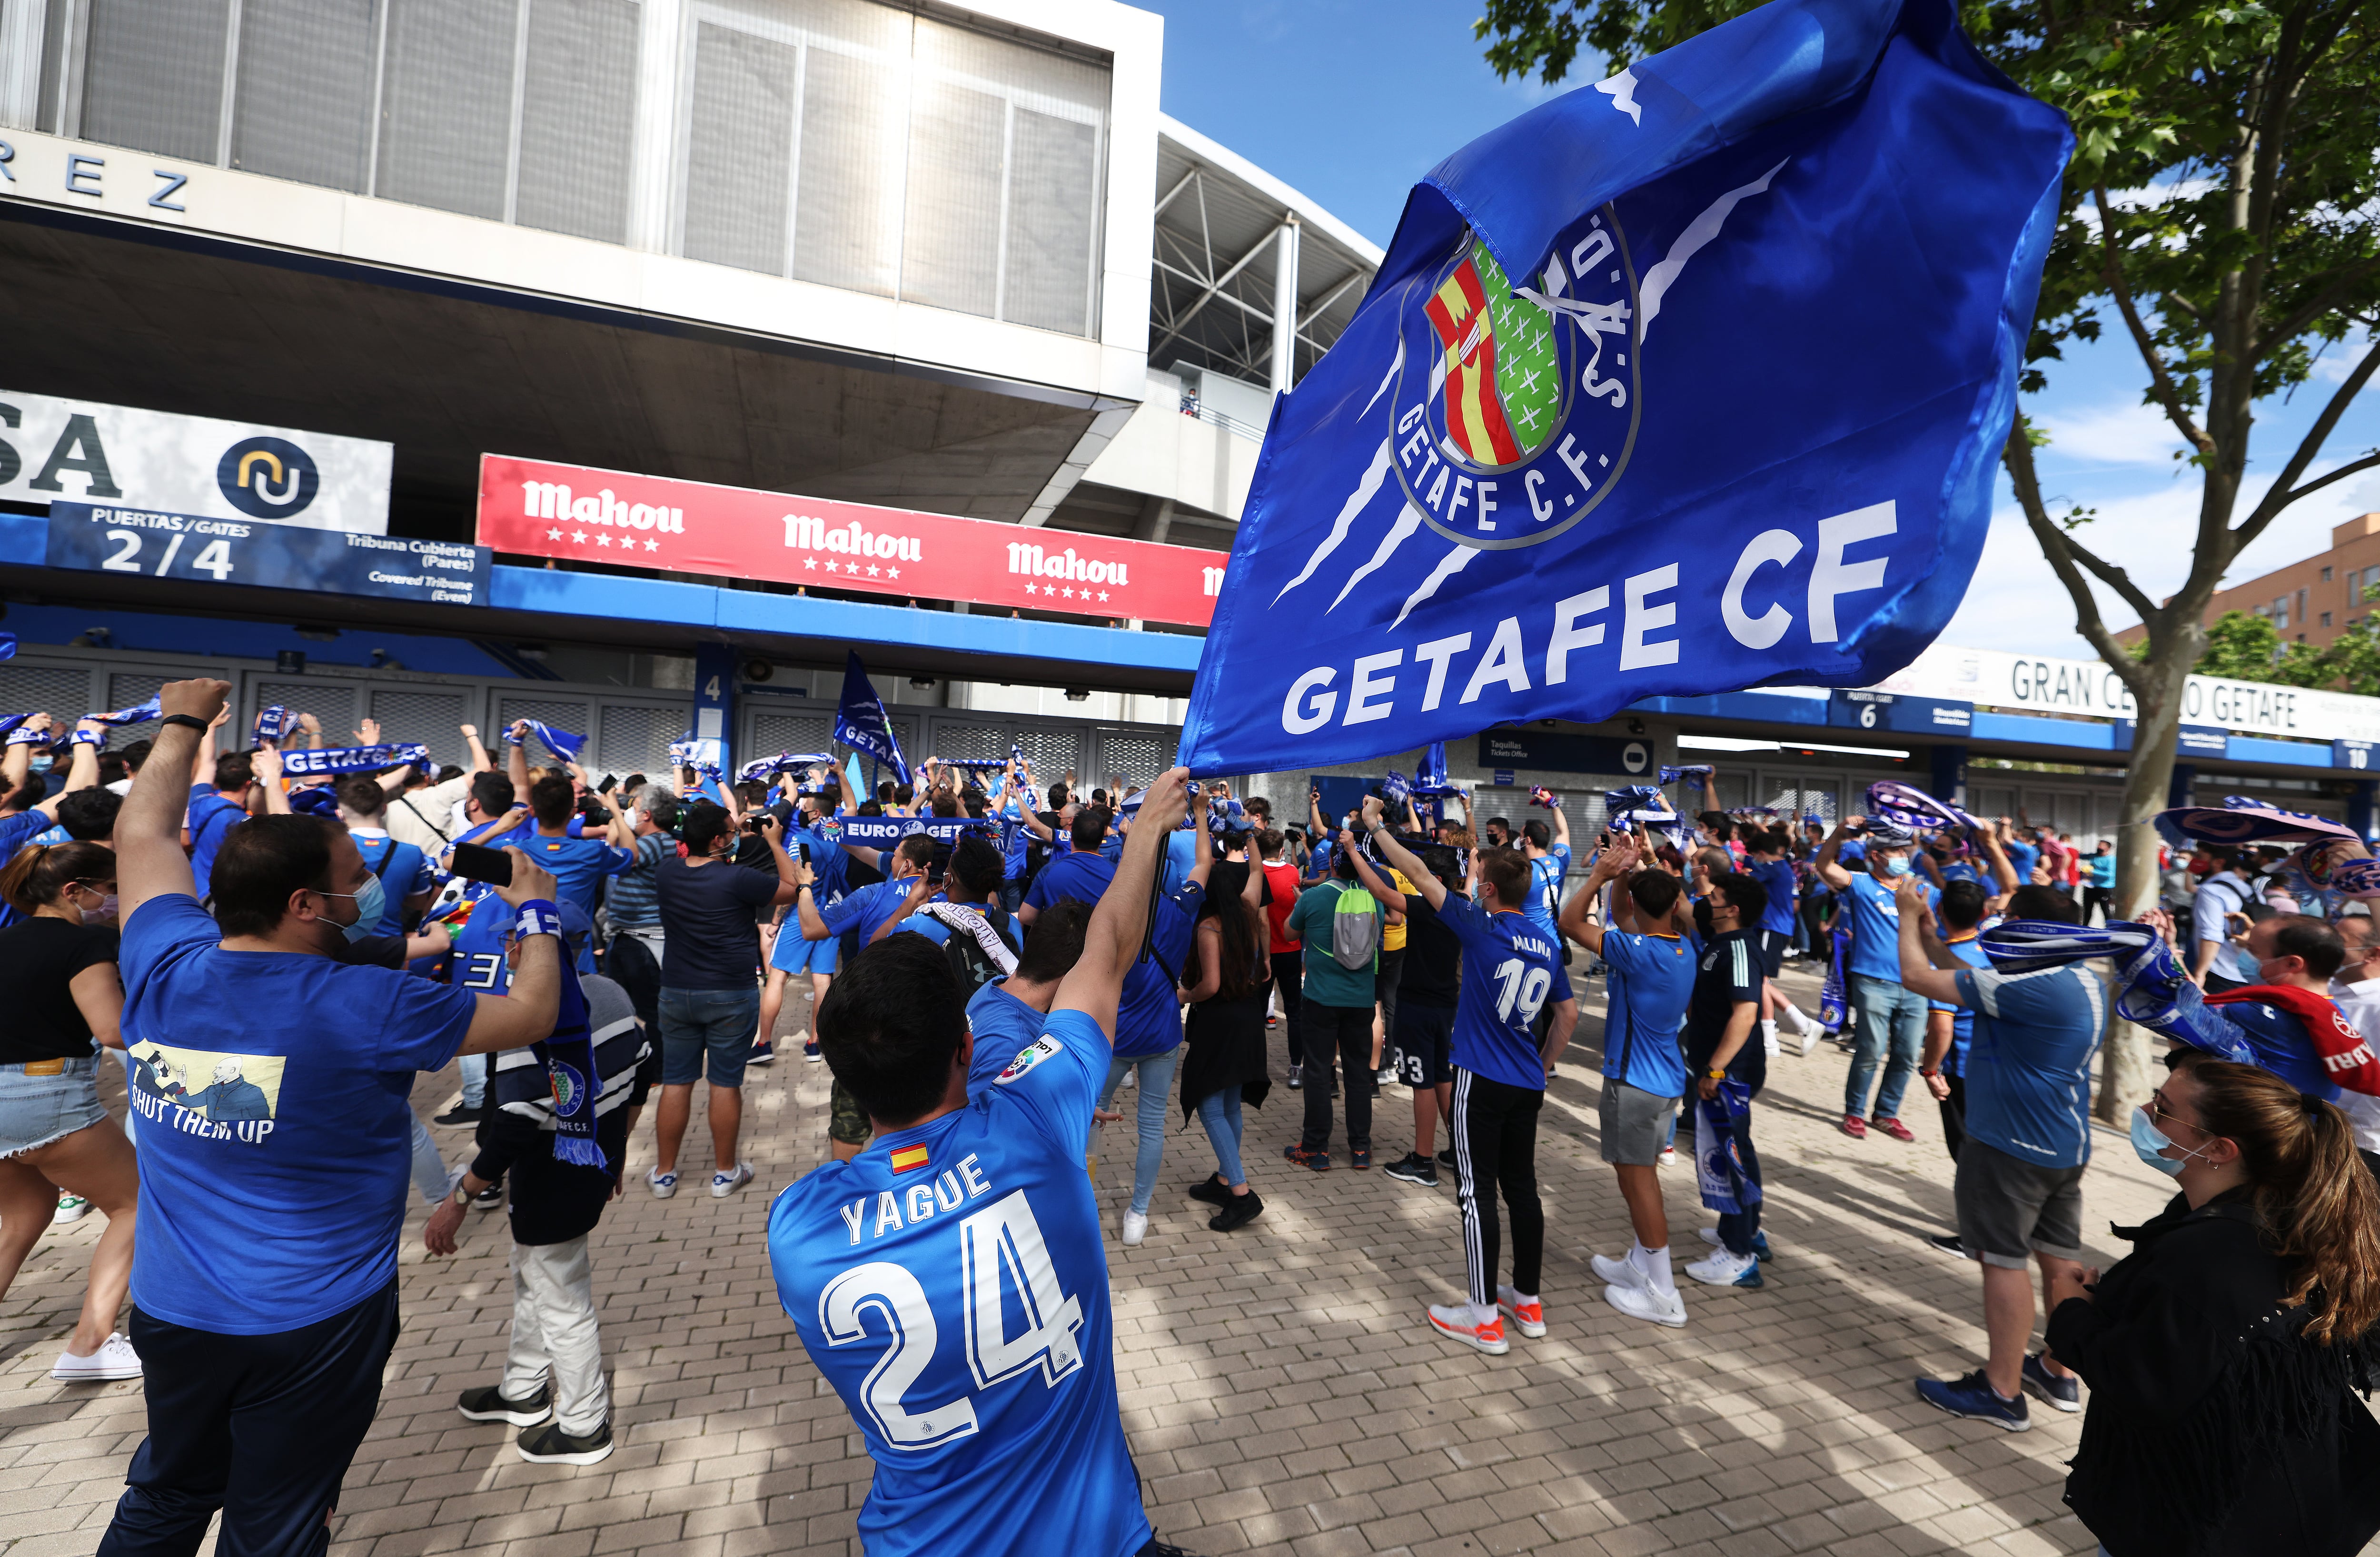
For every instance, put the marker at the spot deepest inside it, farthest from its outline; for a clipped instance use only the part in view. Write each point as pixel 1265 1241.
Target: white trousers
pixel 553 1334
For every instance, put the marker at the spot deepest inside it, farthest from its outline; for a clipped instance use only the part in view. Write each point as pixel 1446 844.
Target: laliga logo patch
pixel 268 478
pixel 1028 1057
pixel 567 1087
pixel 1517 408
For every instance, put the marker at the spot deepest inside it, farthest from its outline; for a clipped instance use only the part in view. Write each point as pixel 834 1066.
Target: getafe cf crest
pixel 567 1087
pixel 1517 407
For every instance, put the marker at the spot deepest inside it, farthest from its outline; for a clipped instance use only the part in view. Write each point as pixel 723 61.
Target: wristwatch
pixel 462 1197
pixel 1716 1074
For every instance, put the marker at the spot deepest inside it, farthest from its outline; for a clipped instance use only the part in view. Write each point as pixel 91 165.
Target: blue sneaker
pixel 2066 1395
pixel 1973 1398
pixel 1759 1242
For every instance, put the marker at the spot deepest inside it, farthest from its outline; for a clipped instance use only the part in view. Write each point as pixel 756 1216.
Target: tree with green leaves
pixel 2219 220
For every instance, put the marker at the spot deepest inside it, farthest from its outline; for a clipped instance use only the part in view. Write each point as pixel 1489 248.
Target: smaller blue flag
pixel 139 713
pixel 561 743
pixel 8 646
pixel 861 723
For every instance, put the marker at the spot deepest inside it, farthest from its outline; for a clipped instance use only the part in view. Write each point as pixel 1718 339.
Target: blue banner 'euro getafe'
pixel 1689 381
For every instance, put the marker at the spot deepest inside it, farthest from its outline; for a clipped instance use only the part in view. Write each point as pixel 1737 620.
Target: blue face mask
pixel 43 764
pixel 1897 866
pixel 2151 1142
pixel 370 903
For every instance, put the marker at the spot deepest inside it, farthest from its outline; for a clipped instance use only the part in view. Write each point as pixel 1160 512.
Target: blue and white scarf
pixel 273 721
pixel 761 768
pixel 1912 809
pixel 139 713
pixel 2149 980
pixel 1719 1173
pixel 1697 769
pixel 568 1054
pixel 353 759
pixel 561 743
pixel 1834 996
pixel 2243 820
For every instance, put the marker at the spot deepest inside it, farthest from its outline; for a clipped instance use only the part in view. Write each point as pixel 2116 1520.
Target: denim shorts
pixel 47 1101
pixel 717 1023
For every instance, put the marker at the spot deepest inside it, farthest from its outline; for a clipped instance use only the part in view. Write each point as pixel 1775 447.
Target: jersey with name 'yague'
pixel 951 1283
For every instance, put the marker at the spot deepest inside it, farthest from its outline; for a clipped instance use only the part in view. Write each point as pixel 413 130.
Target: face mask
pixel 104 913
pixel 370 903
pixel 1896 866
pixel 42 764
pixel 2151 1143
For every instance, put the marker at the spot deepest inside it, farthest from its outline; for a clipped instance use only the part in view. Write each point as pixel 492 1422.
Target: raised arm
pixel 526 1014
pixel 265 765
pixel 1562 823
pixel 149 857
pixel 1833 874
pixel 1917 974
pixel 1388 895
pixel 2003 873
pixel 1112 941
pixel 1432 890
pixel 516 756
pixel 1581 918
pixel 480 763
pixel 1205 865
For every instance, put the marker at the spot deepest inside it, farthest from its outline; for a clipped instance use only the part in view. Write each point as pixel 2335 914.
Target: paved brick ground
pixel 1282 1392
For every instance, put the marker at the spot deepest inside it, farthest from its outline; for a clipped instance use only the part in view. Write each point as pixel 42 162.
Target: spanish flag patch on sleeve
pixel 908 1157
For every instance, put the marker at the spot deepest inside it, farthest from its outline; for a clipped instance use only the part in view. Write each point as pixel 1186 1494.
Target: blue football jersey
pixel 1511 971
pixel 951 1283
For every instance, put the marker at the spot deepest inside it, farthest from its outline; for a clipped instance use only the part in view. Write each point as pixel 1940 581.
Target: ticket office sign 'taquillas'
pixel 574 512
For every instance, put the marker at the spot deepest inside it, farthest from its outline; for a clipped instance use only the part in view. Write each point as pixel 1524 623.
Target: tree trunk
pixel 2126 1074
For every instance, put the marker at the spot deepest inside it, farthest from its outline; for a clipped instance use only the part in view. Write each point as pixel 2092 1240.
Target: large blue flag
pixel 860 722
pixel 1689 381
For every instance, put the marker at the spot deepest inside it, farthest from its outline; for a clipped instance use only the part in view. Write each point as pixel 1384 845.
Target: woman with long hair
pixel 1225 984
pixel 2225 1353
pixel 58 964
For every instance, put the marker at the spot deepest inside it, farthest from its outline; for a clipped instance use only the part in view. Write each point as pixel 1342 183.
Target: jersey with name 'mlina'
pixel 951 1283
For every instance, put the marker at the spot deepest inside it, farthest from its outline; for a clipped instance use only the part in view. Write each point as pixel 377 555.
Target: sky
pixel 1352 103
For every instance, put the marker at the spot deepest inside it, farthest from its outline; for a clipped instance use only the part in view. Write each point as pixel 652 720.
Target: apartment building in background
pixel 2311 601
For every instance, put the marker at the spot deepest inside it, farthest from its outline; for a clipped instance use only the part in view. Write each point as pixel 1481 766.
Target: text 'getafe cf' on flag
pixel 1691 380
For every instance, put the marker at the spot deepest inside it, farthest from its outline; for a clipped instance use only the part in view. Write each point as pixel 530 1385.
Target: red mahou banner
pixel 577 513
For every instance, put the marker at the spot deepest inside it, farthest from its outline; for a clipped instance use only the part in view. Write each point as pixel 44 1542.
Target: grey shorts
pixel 2011 1209
pixel 1635 1123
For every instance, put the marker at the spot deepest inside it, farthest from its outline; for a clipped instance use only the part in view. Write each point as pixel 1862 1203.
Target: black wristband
pixel 188 721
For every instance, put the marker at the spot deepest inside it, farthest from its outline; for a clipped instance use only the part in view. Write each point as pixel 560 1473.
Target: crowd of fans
pixel 273 945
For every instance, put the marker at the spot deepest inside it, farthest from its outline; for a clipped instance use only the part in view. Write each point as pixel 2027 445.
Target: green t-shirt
pixel 1325 979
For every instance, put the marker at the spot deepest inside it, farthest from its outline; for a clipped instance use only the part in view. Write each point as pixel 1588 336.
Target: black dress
pixel 2215 1428
pixel 1227 1045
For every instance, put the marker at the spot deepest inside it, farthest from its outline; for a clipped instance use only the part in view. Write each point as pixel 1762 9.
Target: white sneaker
pixel 114 1359
pixel 1722 1269
pixel 1455 1324
pixel 663 1184
pixel 1644 1303
pixel 723 1185
pixel 1136 1228
pixel 1622 1271
pixel 1710 1235
pixel 1809 1041
pixel 1668 1158
pixel 71 1208
pixel 1529 1318
pixel 1132 1077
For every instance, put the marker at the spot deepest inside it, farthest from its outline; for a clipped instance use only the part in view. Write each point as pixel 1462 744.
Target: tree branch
pixel 2290 327
pixel 2350 468
pixel 2063 554
pixel 2284 490
pixel 2112 269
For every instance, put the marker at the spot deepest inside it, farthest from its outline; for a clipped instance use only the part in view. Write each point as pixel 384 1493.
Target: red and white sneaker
pixel 1894 1128
pixel 1455 1324
pixel 1528 1318
pixel 1855 1127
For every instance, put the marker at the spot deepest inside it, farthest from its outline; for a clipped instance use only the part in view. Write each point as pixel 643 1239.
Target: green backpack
pixel 1355 931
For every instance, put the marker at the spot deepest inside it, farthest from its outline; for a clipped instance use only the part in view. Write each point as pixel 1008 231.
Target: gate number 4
pixel 1002 1239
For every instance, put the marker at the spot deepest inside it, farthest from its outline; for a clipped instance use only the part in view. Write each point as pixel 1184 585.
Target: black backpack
pixel 974 964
